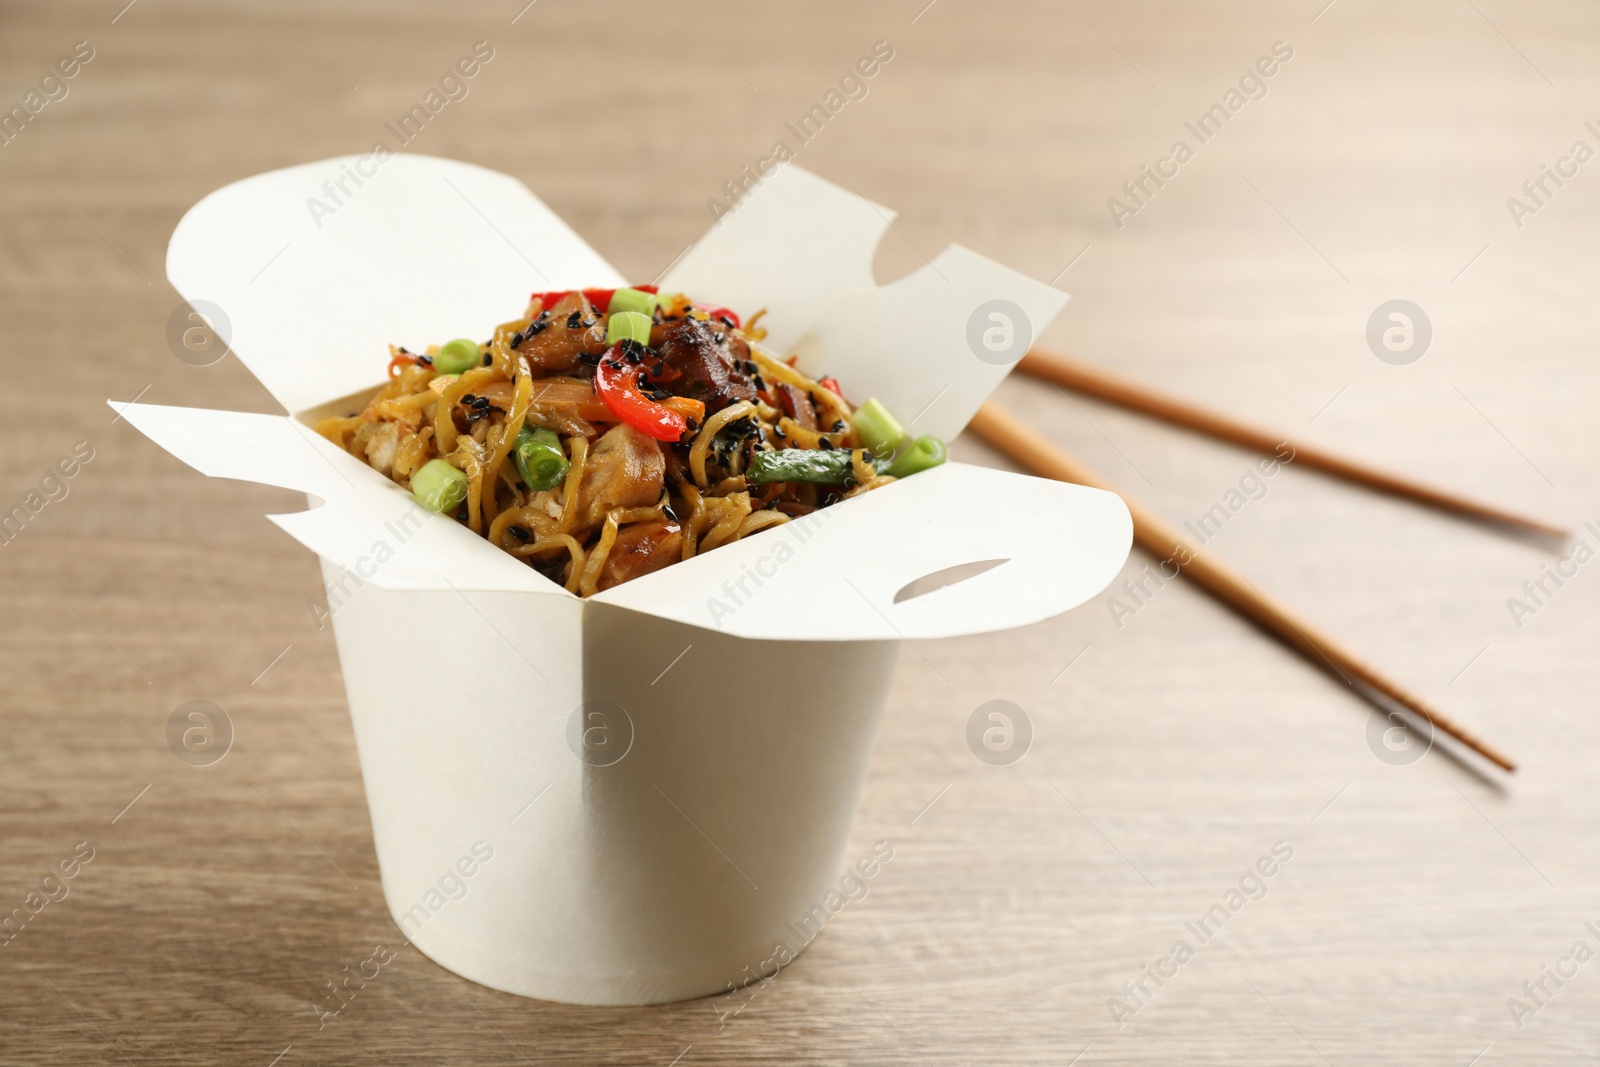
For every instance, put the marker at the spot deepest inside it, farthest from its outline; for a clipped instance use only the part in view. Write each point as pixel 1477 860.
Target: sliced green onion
pixel 628 325
pixel 457 357
pixel 923 453
pixel 632 300
pixel 879 431
pixel 439 487
pixel 801 465
pixel 539 458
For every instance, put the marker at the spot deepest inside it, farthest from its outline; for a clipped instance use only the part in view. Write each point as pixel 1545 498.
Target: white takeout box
pixel 644 796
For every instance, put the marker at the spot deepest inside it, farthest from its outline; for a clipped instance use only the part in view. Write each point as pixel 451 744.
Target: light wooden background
pixel 1175 750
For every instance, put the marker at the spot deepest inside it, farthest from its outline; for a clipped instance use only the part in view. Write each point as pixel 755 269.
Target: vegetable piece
pixel 925 452
pixel 719 313
pixel 879 431
pixel 632 300
pixel 617 382
pixel 539 458
pixel 401 359
pixel 439 487
pixel 458 356
pixel 600 298
pixel 663 300
pixel 687 406
pixel 832 386
pixel 628 325
pixel 820 466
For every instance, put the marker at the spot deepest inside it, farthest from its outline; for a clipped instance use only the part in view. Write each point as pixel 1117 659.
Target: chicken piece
pixel 564 405
pixel 710 362
pixel 624 470
pixel 797 405
pixel 382 446
pixel 558 337
pixel 641 548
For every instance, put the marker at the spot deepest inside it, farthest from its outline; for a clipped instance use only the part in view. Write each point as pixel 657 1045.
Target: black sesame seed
pixel 725 321
pixel 659 369
pixel 592 360
pixel 750 367
pixel 573 320
pixel 666 509
pixel 694 425
pixel 761 386
pixel 468 398
pixel 838 426
pixel 825 444
pixel 487 359
pixel 516 339
pixel 519 533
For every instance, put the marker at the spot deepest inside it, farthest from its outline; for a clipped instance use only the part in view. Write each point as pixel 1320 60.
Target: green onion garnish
pixel 923 453
pixel 457 357
pixel 439 487
pixel 628 325
pixel 539 458
pixel 632 300
pixel 879 432
pixel 818 466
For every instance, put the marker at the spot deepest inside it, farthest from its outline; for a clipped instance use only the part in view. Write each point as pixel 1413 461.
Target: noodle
pixel 507 432
pixel 636 493
pixel 734 509
pixel 702 442
pixel 590 583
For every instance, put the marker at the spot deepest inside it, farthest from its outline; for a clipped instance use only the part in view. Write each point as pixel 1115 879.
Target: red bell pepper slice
pixel 831 385
pixel 617 382
pixel 718 313
pixel 600 298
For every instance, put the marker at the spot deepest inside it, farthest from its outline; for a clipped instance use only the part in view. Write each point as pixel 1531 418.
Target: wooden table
pixel 1173 747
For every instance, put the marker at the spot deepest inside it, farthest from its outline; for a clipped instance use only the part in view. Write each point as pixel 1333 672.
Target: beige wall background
pixel 1172 747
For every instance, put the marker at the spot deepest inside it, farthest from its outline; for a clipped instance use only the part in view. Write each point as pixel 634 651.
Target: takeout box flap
pixel 838 573
pixel 427 249
pixel 317 268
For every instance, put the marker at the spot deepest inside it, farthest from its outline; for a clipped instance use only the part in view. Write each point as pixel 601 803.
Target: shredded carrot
pixel 688 407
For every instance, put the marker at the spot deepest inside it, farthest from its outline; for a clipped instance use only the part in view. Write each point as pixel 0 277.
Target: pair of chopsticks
pixel 1160 538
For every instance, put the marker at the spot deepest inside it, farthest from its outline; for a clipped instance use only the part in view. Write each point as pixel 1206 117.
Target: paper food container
pixel 644 796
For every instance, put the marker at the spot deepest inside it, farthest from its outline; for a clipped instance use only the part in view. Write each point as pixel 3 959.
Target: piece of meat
pixel 564 404
pixel 797 405
pixel 555 346
pixel 710 372
pixel 625 469
pixel 640 548
pixel 382 446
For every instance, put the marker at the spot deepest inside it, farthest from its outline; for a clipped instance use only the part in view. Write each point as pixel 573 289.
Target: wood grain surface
pixel 1172 747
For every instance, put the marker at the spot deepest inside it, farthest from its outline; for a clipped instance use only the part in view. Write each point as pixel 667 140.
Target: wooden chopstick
pixel 1161 539
pixel 1094 382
